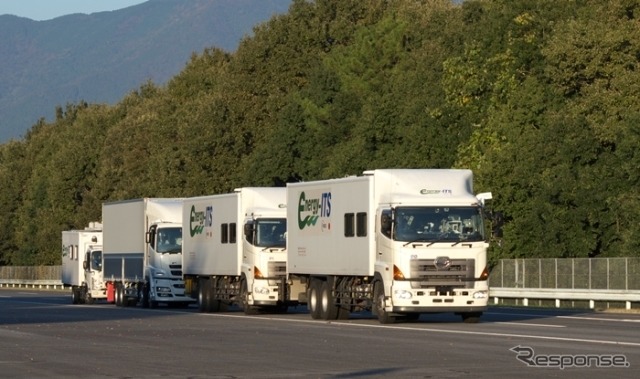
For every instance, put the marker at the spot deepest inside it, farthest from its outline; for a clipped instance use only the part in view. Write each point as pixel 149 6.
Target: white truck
pixel 397 242
pixel 235 250
pixel 82 263
pixel 142 255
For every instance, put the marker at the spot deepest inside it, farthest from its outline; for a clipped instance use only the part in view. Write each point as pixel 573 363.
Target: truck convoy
pixel 142 252
pixel 222 266
pixel 82 263
pixel 398 242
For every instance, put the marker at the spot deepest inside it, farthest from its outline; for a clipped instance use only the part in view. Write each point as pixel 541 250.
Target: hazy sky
pixel 48 9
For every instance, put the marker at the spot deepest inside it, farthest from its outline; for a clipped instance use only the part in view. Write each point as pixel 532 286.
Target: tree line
pixel 540 98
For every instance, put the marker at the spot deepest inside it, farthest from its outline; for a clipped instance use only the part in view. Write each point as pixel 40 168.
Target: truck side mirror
pixel 497 221
pixel 385 224
pixel 84 265
pixel 248 232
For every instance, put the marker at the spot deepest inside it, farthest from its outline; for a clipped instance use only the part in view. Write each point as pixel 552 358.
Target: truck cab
pixel 92 264
pixel 163 271
pixel 265 255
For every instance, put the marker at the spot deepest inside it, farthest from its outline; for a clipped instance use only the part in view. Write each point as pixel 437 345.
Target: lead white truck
pixel 142 252
pixel 235 250
pixel 397 242
pixel 82 263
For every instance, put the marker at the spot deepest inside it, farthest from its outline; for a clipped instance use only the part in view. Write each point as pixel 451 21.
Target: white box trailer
pixel 82 263
pixel 142 257
pixel 235 250
pixel 398 242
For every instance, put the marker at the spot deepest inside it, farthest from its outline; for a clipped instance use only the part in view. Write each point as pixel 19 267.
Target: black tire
pixel 314 299
pixel 378 304
pixel 412 317
pixel 343 313
pixel 214 303
pixel 75 295
pixel 244 299
pixel 328 307
pixel 125 300
pixel 85 296
pixel 204 296
pixel 118 294
pixel 146 292
pixel 471 317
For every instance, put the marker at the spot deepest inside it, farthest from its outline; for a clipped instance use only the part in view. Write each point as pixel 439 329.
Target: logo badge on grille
pixel 442 263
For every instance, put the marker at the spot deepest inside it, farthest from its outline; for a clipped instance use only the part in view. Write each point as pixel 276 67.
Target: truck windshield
pixel 271 232
pixel 438 224
pixel 169 240
pixel 96 260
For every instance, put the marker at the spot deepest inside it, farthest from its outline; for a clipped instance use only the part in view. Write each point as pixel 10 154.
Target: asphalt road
pixel 43 336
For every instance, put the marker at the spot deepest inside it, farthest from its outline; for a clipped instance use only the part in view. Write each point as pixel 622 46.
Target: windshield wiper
pixel 278 247
pixel 414 241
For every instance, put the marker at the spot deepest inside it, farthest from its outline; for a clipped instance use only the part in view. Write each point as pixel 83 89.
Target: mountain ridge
pixel 100 57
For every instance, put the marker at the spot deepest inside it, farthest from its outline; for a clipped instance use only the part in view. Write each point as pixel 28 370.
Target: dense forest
pixel 540 98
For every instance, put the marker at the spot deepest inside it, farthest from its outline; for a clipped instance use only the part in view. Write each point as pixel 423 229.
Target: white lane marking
pixel 414 329
pixel 530 324
pixel 527 315
pixel 599 319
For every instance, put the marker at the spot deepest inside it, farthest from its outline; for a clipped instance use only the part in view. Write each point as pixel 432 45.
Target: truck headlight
pixel 261 290
pixel 480 295
pixel 159 274
pixel 402 294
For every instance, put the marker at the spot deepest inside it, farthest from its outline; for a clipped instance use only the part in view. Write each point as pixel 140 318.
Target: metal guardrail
pixel 608 280
pixel 27 283
pixel 559 294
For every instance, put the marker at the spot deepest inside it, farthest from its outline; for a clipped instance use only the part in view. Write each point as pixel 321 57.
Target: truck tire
pixel 328 308
pixel 379 302
pixel 125 300
pixel 314 299
pixel 244 299
pixel 471 317
pixel 146 291
pixel 214 303
pixel 75 295
pixel 146 296
pixel 85 296
pixel 204 296
pixel 119 294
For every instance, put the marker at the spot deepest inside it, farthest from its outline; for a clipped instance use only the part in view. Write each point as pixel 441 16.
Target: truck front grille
pixel 176 270
pixel 277 269
pixel 425 274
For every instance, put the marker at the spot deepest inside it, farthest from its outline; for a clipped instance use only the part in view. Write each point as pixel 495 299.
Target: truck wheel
pixel 379 303
pixel 121 299
pixel 204 296
pixel 118 294
pixel 145 294
pixel 244 299
pixel 85 295
pixel 124 302
pixel 214 303
pixel 329 310
pixel 75 295
pixel 314 299
pixel 344 312
pixel 471 317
